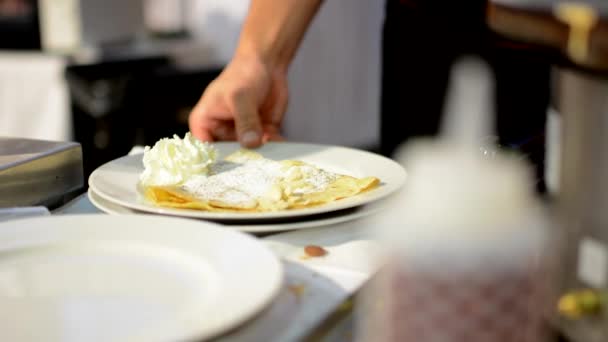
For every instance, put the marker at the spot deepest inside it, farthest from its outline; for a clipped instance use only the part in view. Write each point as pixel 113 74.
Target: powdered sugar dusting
pixel 315 179
pixel 236 183
pixel 244 183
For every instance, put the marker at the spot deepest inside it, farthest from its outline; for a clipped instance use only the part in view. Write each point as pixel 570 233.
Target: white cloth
pixel 34 98
pixel 22 212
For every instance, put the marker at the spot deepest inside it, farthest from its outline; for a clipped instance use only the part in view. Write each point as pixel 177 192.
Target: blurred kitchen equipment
pixel 165 18
pixel 19 27
pixel 576 33
pixel 37 172
pixel 117 104
pixel 67 26
pixel 467 236
pixel 71 26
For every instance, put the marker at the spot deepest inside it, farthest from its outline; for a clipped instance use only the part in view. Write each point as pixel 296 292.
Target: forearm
pixel 274 29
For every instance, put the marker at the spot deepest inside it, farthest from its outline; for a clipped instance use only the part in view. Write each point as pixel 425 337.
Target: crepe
pixel 246 181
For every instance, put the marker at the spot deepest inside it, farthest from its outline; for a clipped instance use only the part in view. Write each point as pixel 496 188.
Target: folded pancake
pixel 246 181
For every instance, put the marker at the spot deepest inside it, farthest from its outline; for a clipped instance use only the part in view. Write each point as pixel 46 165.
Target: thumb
pixel 247 121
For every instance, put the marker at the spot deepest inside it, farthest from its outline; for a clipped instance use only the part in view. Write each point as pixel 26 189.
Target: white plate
pixel 129 278
pixel 316 222
pixel 117 180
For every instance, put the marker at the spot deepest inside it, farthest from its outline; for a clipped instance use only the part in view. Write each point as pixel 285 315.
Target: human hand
pixel 246 102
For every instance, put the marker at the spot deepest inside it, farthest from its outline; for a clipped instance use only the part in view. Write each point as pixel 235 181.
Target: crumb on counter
pixel 312 251
pixel 297 290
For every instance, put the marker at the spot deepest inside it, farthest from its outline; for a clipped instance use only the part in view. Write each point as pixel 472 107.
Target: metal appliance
pixel 576 37
pixel 39 173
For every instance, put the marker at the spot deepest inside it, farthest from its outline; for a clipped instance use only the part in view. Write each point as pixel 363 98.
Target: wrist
pixel 268 60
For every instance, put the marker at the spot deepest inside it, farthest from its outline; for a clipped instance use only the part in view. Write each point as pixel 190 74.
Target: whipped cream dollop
pixel 172 161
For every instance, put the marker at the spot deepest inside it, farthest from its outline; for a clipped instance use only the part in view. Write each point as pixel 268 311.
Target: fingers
pixel 275 105
pixel 280 106
pixel 227 118
pixel 224 130
pixel 208 122
pixel 271 133
pixel 211 119
pixel 246 119
pixel 272 137
pixel 197 125
pixel 205 128
pixel 240 104
pixel 273 111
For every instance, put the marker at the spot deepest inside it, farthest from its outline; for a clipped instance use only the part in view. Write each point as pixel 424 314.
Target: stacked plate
pixel 129 278
pixel 113 188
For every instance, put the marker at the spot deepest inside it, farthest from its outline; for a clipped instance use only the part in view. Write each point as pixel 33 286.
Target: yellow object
pixel 580 303
pixel 581 18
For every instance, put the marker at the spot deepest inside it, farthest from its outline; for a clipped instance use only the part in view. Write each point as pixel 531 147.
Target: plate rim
pixel 231 216
pixel 273 264
pixel 257 228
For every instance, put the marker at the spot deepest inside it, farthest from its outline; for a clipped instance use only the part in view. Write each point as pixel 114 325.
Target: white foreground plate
pixel 316 221
pixel 129 278
pixel 117 180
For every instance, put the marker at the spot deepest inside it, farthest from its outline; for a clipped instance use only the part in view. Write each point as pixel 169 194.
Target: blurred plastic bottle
pixel 467 237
